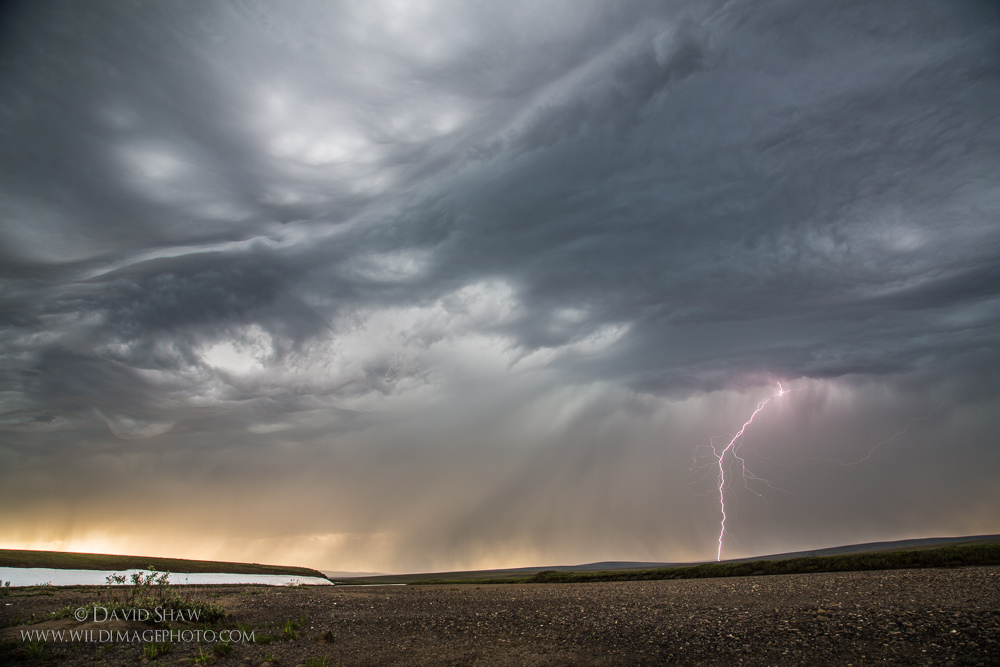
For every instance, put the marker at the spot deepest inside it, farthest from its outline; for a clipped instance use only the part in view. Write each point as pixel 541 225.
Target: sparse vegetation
pixel 202 658
pixel 323 661
pixel 147 591
pixel 157 649
pixel 65 612
pixel 35 649
pixel 222 649
pixel 28 591
pixel 287 631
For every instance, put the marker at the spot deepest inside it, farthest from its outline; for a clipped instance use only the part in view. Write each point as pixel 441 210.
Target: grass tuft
pixel 319 662
pixel 222 649
pixel 157 649
pixel 287 631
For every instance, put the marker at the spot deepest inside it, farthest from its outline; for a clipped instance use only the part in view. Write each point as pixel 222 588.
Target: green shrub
pixel 65 612
pixel 148 591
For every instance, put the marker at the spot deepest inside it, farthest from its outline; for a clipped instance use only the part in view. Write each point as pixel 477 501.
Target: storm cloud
pixel 412 285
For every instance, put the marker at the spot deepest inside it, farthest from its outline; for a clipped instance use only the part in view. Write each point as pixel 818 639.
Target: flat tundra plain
pixel 904 617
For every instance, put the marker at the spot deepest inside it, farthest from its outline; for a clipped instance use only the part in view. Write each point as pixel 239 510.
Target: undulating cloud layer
pixel 396 286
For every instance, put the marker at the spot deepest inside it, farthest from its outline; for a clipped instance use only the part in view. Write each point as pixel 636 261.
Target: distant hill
pixel 606 566
pixel 338 574
pixel 68 560
pixel 924 543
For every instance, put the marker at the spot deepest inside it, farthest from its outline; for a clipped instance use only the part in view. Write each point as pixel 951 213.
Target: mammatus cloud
pixel 462 284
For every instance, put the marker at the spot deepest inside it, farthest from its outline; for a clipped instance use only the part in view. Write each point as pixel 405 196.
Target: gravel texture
pixel 911 617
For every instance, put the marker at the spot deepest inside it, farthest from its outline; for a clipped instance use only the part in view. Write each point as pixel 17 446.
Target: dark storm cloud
pixel 679 170
pixel 249 225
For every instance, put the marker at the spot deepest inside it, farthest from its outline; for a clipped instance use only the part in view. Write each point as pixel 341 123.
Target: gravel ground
pixel 912 617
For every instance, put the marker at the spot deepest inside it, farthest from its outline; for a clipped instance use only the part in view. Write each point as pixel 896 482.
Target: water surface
pixel 36 576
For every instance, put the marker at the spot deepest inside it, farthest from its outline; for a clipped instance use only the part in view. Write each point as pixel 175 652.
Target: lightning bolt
pixel 733 447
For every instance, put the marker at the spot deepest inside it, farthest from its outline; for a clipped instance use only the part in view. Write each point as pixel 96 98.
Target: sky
pixel 428 285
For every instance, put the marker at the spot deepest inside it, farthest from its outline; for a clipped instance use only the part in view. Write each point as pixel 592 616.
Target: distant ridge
pixel 69 560
pixel 921 543
pixel 878 546
pixel 337 574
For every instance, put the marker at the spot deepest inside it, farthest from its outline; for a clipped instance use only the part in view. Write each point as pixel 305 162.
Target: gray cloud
pixel 364 233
